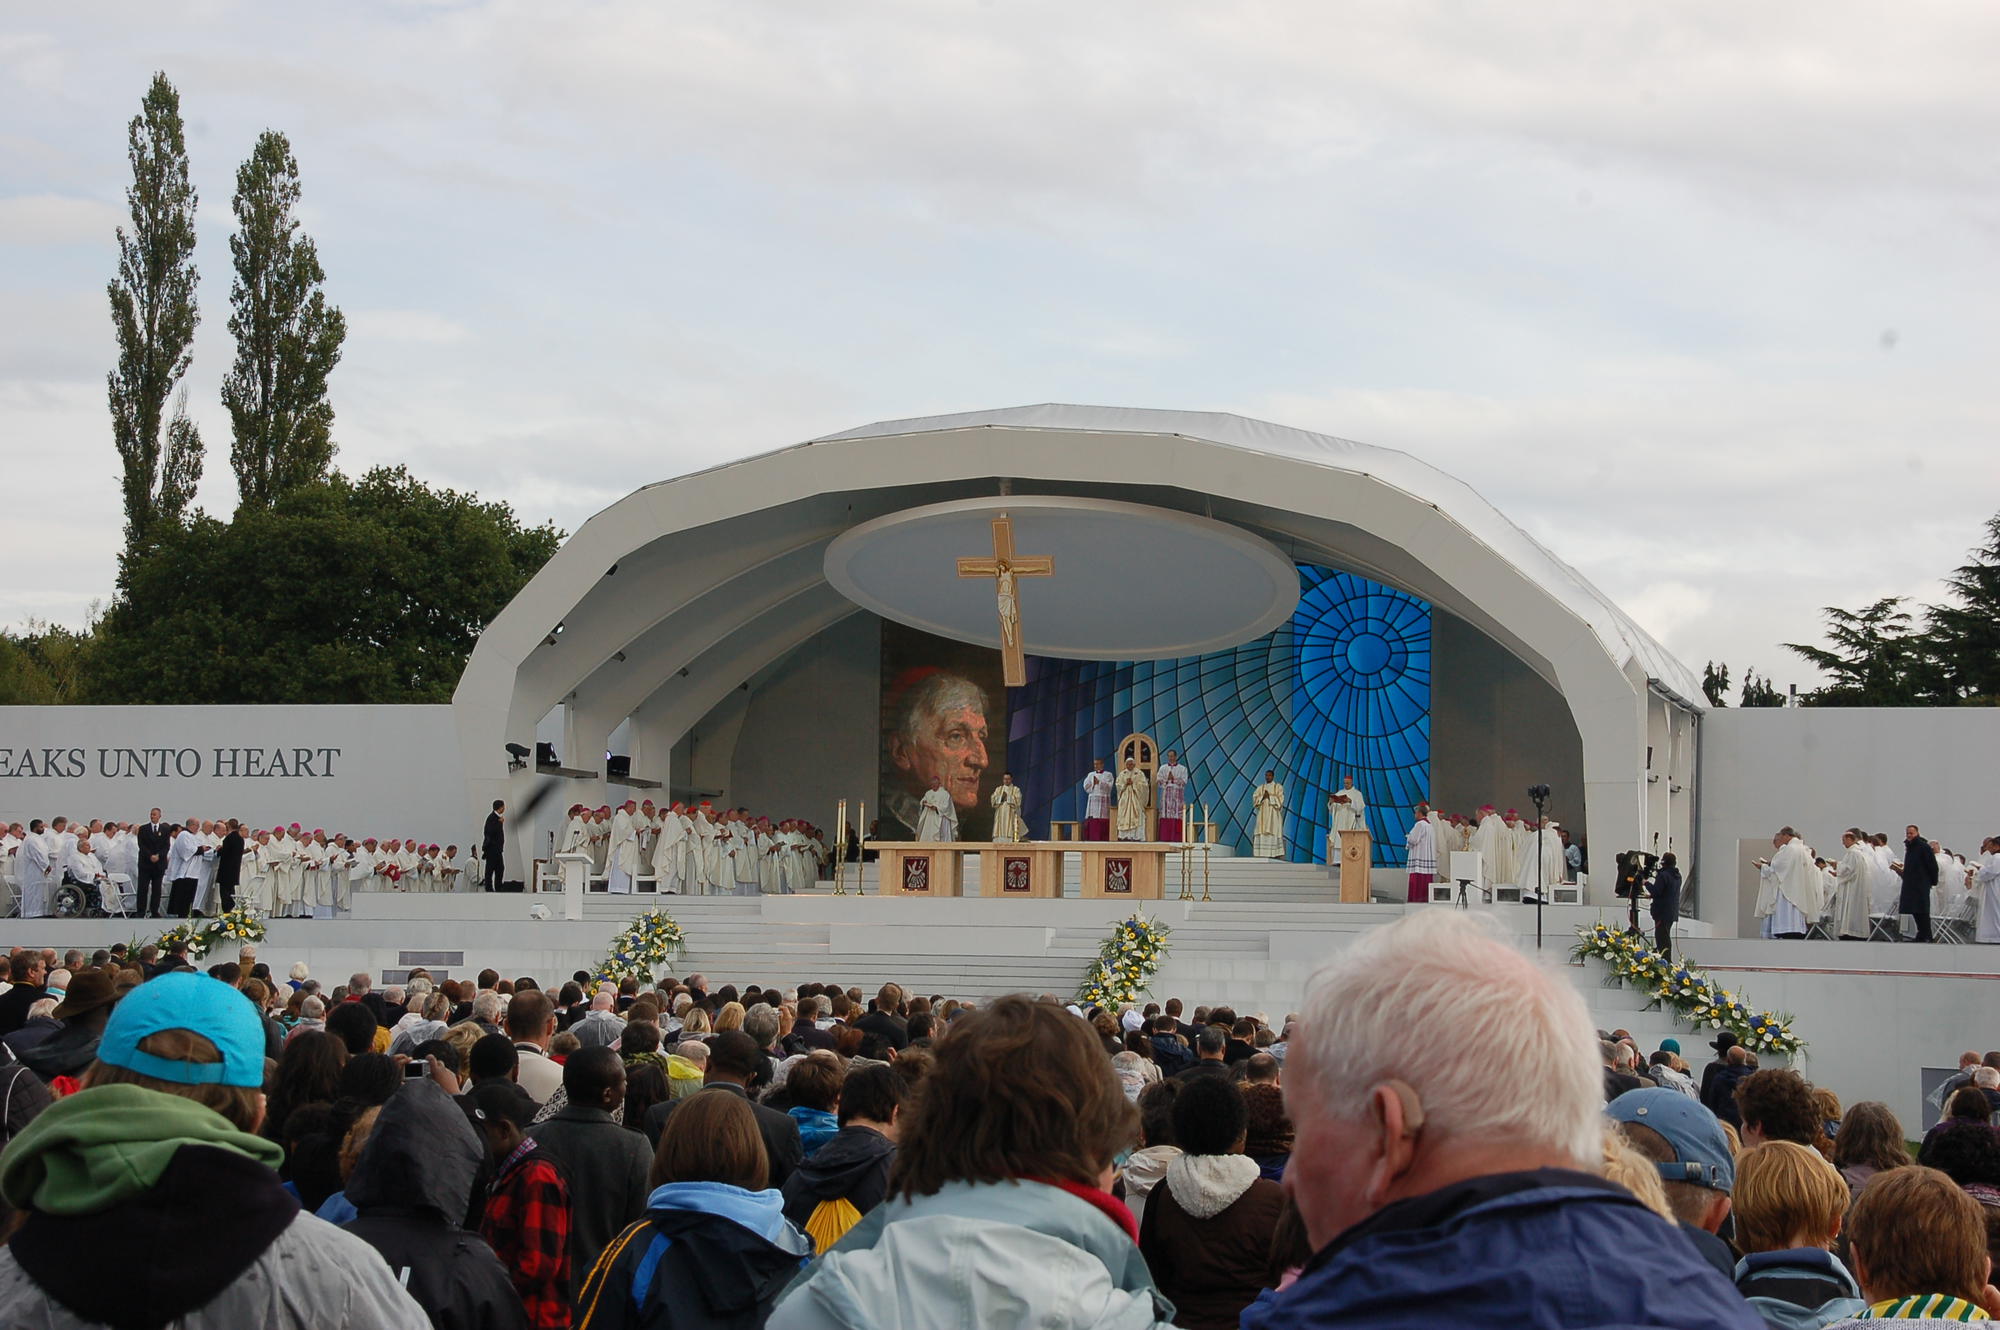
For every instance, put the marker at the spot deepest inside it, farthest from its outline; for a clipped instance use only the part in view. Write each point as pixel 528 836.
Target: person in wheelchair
pixel 83 883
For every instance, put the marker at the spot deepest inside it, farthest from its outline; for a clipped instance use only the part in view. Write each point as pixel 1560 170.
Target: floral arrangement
pixel 647 943
pixel 1125 964
pixel 1691 994
pixel 238 926
pixel 197 940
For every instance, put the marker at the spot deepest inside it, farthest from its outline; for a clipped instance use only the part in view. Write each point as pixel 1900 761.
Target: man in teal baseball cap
pixel 155 1166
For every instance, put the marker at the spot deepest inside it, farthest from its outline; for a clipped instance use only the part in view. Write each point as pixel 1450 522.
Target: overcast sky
pixel 1702 295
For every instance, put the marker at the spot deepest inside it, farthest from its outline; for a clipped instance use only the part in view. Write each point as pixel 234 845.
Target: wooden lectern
pixel 1357 853
pixel 1029 870
pixel 1124 870
pixel 918 868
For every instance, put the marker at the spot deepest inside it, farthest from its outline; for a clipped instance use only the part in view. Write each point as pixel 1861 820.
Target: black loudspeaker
pixel 545 755
pixel 516 886
pixel 617 768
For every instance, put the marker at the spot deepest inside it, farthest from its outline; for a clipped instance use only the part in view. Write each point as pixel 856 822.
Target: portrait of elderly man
pixel 936 730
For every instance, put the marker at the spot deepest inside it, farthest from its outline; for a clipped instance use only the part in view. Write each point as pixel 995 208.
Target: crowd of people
pixel 257 1149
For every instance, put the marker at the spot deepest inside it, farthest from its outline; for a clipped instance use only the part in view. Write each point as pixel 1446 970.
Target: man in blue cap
pixel 150 1198
pixel 1687 1143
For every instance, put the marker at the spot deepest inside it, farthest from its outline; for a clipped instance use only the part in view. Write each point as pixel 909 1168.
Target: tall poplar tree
pixel 153 316
pixel 287 337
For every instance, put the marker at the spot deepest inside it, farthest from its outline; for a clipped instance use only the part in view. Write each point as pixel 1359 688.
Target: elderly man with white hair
pixel 1434 1197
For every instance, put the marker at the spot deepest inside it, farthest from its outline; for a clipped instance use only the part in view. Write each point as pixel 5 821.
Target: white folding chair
pixel 1961 921
pixel 1885 927
pixel 118 899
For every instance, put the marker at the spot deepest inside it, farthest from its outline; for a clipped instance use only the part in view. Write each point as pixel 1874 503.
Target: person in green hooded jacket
pixel 147 1198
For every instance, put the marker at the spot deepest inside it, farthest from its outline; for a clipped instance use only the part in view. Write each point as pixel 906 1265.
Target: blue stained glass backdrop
pixel 1344 685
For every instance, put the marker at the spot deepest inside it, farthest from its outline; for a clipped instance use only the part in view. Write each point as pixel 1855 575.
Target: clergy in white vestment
pixel 1547 850
pixel 363 867
pixel 287 875
pixel 623 850
pixel 1885 895
pixel 1100 787
pixel 85 866
pixel 1008 828
pixel 1171 781
pixel 1347 810
pixel 937 815
pixel 1795 880
pixel 34 868
pixel 767 857
pixel 744 860
pixel 253 888
pixel 708 861
pixel 1420 850
pixel 1492 842
pixel 450 869
pixel 1267 805
pixel 184 856
pixel 670 851
pixel 600 839
pixel 1519 849
pixel 1852 877
pixel 575 838
pixel 1133 789
pixel 1986 882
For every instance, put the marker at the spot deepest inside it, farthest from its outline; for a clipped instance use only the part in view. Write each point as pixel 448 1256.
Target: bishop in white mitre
pixel 1267 834
pixel 1133 792
pixel 1008 828
pixel 1171 781
pixel 623 850
pixel 1794 881
pixel 937 816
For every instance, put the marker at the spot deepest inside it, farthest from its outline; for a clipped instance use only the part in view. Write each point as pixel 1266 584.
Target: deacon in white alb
pixel 1132 791
pixel 1172 780
pixel 1267 835
pixel 937 815
pixel 1008 828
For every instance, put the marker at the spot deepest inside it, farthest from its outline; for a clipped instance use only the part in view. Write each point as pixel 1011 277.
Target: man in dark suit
pixel 153 838
pixel 493 846
pixel 1920 878
pixel 882 1019
pixel 733 1059
pixel 229 864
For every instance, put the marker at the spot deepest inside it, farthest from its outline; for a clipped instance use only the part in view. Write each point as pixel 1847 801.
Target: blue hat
pixel 1701 1151
pixel 200 1005
pixel 1670 1046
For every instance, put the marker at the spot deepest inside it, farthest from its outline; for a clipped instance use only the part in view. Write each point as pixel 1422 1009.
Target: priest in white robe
pixel 1518 849
pixel 363 867
pixel 1885 895
pixel 1547 851
pixel 1172 782
pixel 34 868
pixel 287 875
pixel 937 815
pixel 623 851
pixel 1347 810
pixel 1795 881
pixel 1853 875
pixel 1492 842
pixel 707 850
pixel 1008 828
pixel 253 890
pixel 1267 806
pixel 1986 882
pixel 1133 795
pixel 767 857
pixel 743 857
pixel 1420 850
pixel 1100 787
pixel 670 852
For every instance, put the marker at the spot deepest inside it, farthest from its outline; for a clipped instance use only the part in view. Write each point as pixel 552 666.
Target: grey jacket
pixel 606 1167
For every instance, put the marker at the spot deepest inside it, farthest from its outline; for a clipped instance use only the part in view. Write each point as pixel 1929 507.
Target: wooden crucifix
pixel 1003 568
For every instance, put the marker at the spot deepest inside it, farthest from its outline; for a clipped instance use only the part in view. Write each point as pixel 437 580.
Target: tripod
pixel 1540 794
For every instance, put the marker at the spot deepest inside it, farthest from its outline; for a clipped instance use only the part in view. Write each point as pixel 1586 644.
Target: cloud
pixel 403 325
pixel 54 219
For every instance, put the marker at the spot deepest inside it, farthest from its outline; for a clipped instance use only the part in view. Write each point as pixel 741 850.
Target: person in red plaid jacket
pixel 527 1210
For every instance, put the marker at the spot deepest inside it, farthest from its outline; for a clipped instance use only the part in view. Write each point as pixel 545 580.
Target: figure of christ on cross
pixel 1003 568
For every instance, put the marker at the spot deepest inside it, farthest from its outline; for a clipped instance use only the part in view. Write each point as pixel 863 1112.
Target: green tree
pixel 287 337
pixel 153 317
pixel 46 664
pixel 1964 633
pixel 1874 658
pixel 1715 684
pixel 1759 691
pixel 337 591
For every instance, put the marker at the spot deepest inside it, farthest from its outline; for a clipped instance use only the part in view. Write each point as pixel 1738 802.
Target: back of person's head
pixel 1986 1078
pixel 528 1014
pixel 761 1023
pixel 1870 1137
pixel 888 999
pixel 570 994
pixel 815 1082
pixel 446 1054
pixel 873 1094
pixel 493 1058
pixel 1019 1089
pixel 1968 1103
pixel 1450 970
pixel 370 1078
pixel 1967 1152
pixel 186 1036
pixel 1267 1127
pixel 591 1074
pixel 1260 1069
pixel 1778 1102
pixel 488 1006
pixel 712 1138
pixel 1209 1117
pixel 353 1025
pixel 1156 1112
pixel 639 1037
pixel 1623 1164
pixel 735 1054
pixel 1786 1196
pixel 1913 1231
pixel 1211 1042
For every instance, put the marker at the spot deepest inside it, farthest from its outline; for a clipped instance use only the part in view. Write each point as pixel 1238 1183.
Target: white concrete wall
pixel 1823 770
pixel 365 770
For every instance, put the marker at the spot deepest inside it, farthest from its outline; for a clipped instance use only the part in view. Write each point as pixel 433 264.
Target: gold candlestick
pixel 1204 853
pixel 840 848
pixel 861 837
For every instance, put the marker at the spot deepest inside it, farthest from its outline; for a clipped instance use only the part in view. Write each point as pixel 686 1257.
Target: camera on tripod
pixel 1635 872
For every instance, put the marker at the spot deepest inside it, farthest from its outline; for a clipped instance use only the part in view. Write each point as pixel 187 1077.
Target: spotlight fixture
pixel 517 756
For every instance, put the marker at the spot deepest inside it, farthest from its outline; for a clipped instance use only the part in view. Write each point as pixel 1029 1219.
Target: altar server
pixel 1008 828
pixel 1420 845
pixel 1267 803
pixel 1853 876
pixel 1099 788
pixel 184 856
pixel 1172 782
pixel 623 850
pixel 937 815
pixel 1133 789
pixel 1795 885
